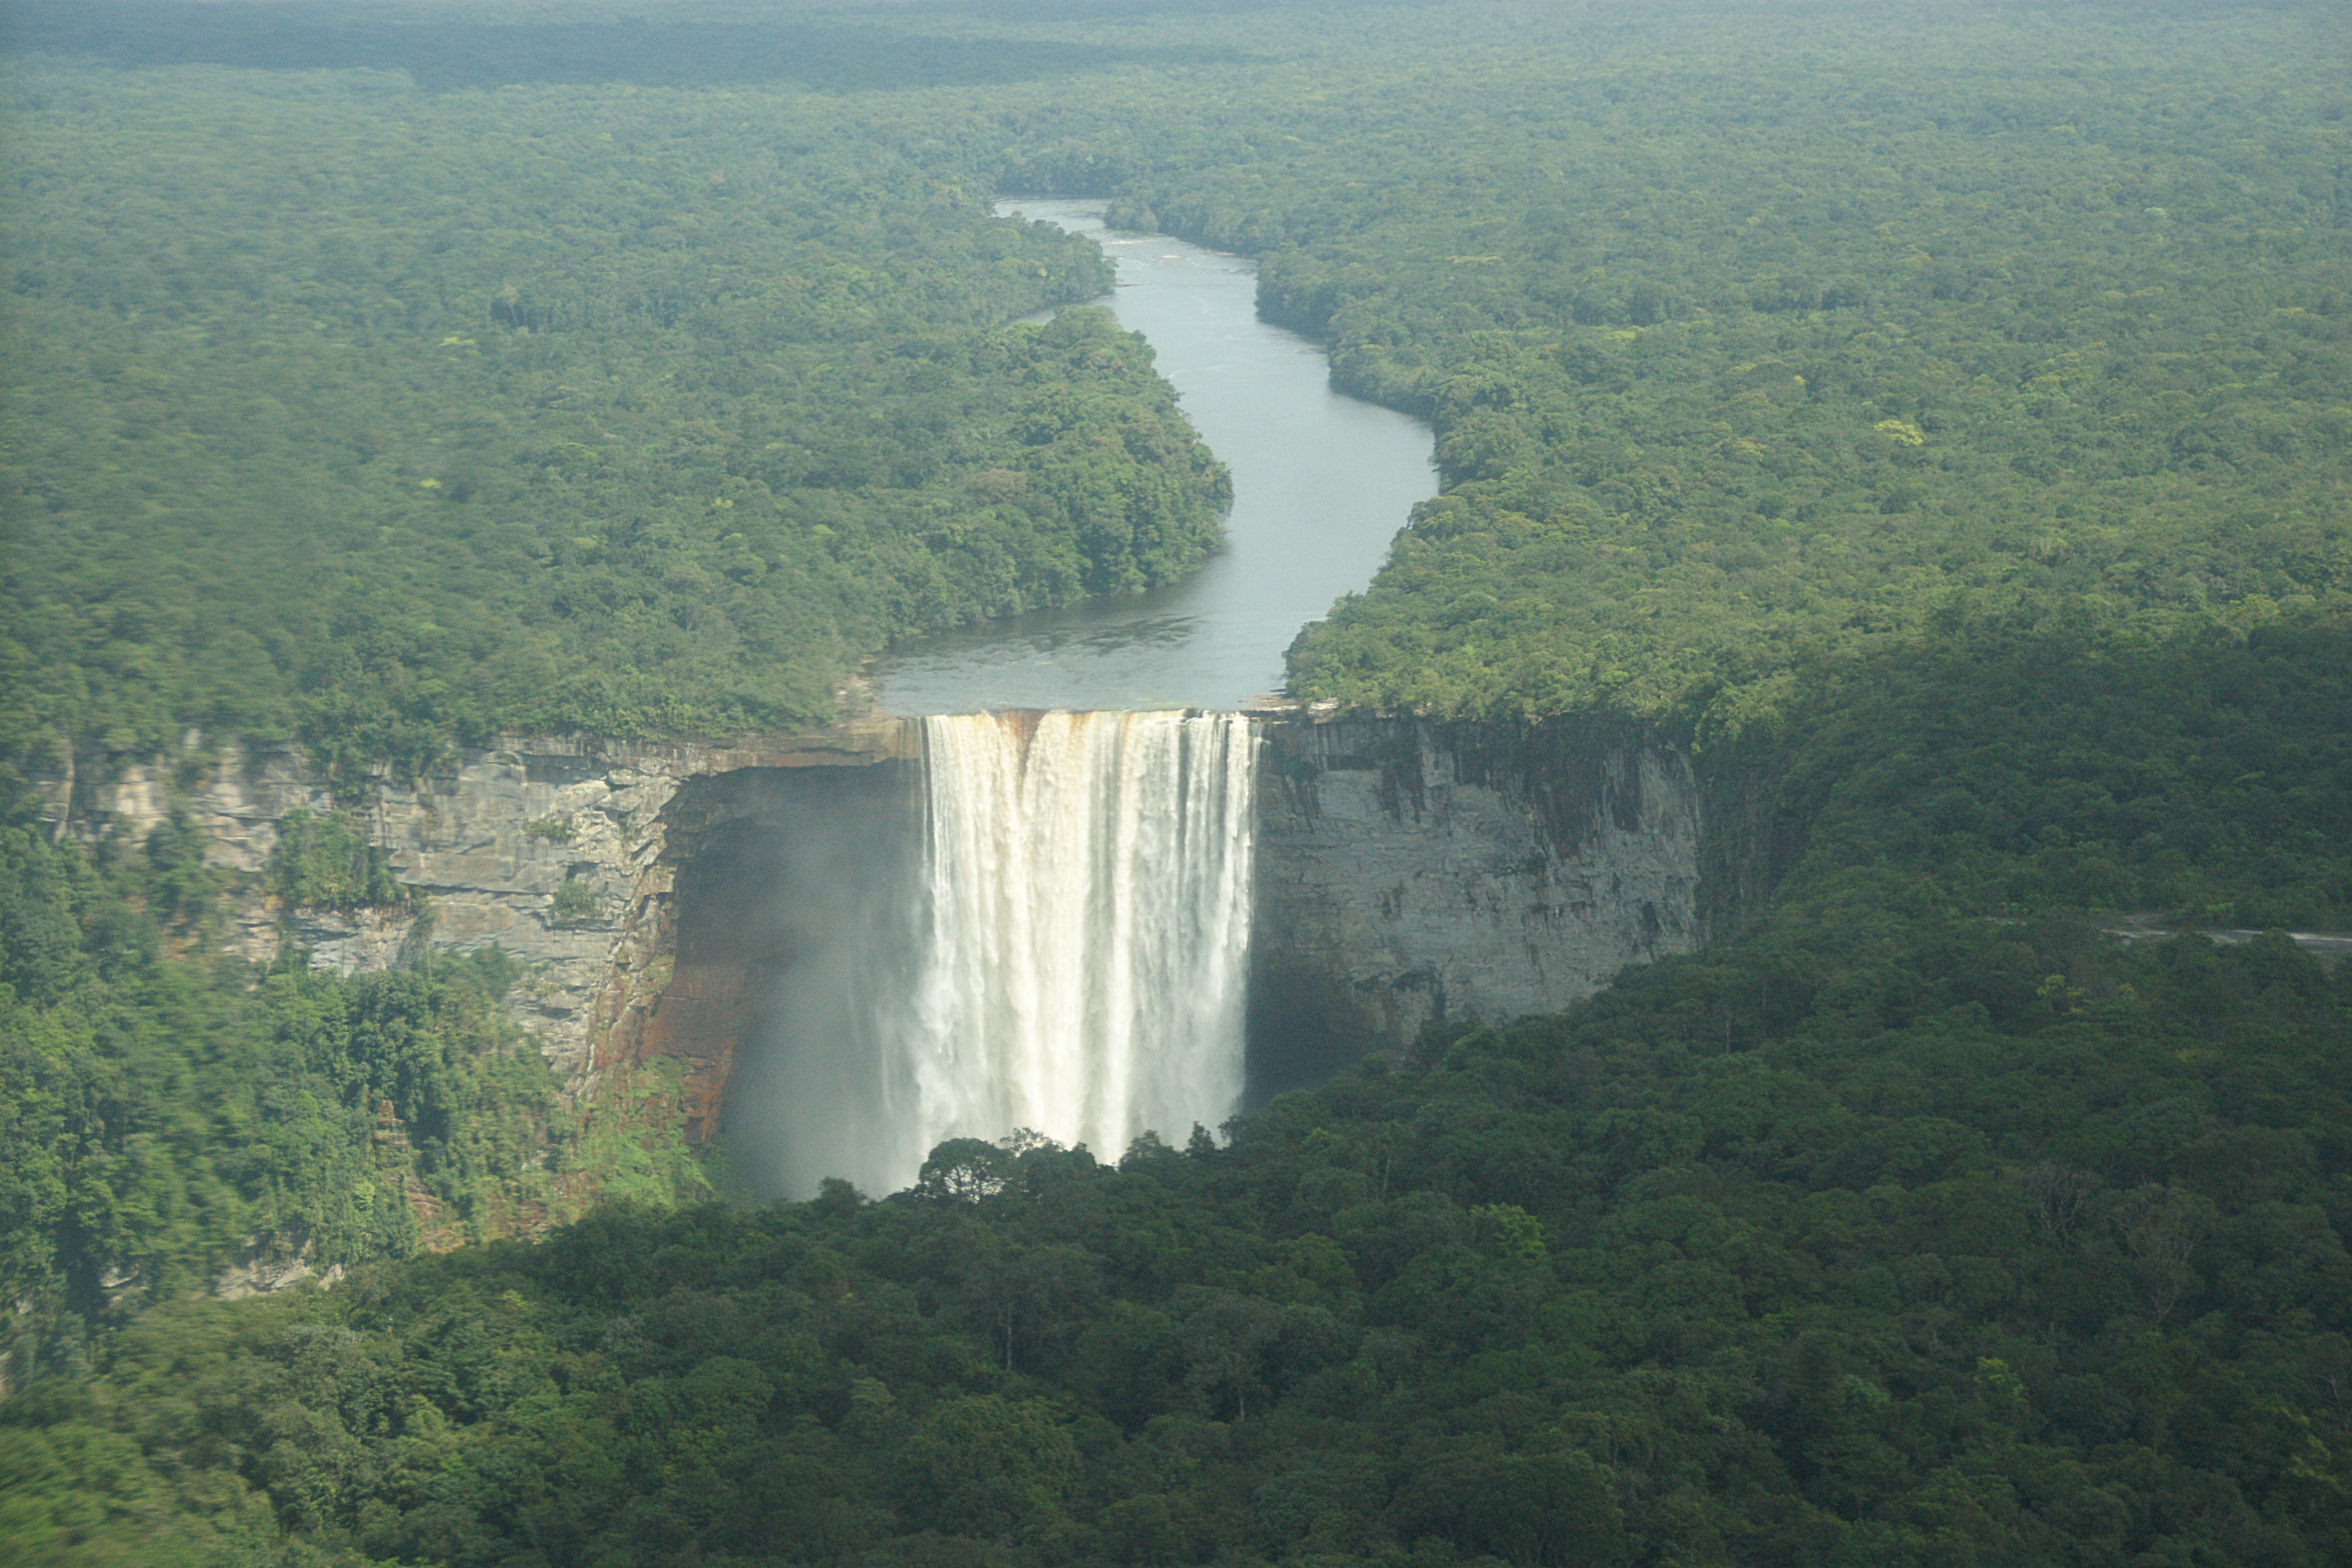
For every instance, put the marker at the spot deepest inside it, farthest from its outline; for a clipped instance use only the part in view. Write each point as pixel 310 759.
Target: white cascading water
pixel 1068 953
pixel 1089 941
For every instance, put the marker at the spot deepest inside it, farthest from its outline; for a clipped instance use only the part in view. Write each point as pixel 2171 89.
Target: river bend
pixel 1322 482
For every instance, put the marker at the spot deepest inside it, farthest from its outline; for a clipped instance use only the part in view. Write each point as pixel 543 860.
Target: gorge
pixel 846 945
pixel 749 897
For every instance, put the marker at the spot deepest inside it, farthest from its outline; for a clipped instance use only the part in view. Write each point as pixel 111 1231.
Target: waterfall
pixel 1067 952
pixel 1089 887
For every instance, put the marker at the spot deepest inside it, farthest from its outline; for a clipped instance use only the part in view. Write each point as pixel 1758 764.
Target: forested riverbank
pixel 389 421
pixel 1933 423
pixel 1729 362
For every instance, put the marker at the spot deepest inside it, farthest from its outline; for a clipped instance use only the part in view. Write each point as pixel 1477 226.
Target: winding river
pixel 1321 484
pixel 1072 955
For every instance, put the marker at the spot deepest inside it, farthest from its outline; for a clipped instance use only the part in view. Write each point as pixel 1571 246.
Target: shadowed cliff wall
pixel 1407 874
pixel 795 895
pixel 1412 873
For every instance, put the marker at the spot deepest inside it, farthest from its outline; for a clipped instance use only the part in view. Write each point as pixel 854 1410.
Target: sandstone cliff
pixel 1408 873
pixel 490 840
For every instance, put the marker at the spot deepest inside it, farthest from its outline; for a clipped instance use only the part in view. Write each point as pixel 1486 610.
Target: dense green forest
pixel 1934 418
pixel 1580 1291
pixel 1742 337
pixel 1736 342
pixel 390 421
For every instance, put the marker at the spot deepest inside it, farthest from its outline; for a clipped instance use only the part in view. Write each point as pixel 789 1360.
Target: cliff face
pixel 781 875
pixel 1406 873
pixel 1410 873
pixel 490 840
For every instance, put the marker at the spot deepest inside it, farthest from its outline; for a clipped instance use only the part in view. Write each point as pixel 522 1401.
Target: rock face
pixel 1407 873
pixel 265 1268
pixel 490 841
pixel 781 875
pixel 1410 873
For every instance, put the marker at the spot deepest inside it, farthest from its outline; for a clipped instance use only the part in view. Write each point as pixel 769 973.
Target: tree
pixel 1226 1337
pixel 987 1466
pixel 2161 1226
pixel 1022 1296
pixel 966 1171
pixel 1549 1510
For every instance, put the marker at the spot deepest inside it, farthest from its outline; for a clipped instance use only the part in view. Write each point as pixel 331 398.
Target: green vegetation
pixel 2003 773
pixel 174 1120
pixel 1935 418
pixel 574 900
pixel 1925 1224
pixel 1735 345
pixel 322 862
pixel 1728 361
pixel 633 1149
pixel 2003 1246
pixel 391 421
pixel 166 1115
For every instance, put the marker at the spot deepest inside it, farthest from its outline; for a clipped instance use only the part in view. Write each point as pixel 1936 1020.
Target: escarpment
pixel 658 896
pixel 1413 873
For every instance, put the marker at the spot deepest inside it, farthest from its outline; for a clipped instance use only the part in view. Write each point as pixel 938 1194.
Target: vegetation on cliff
pixel 175 1120
pixel 167 1114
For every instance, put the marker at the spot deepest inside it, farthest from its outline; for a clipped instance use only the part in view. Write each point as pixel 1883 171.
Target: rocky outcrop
pixel 490 840
pixel 269 1263
pixel 1407 873
pixel 1412 873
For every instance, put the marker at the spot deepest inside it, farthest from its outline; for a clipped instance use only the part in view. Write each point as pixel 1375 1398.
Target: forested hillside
pixel 2005 1247
pixel 387 419
pixel 1748 330
pixel 1932 419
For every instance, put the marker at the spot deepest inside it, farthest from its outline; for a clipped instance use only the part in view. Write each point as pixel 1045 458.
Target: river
pixel 1321 484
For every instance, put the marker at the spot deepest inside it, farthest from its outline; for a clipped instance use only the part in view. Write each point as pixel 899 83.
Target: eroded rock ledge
pixel 1407 873
pixel 1410 873
pixel 490 839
